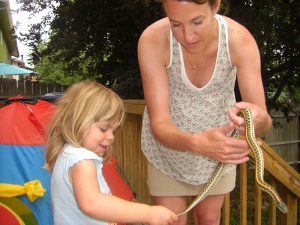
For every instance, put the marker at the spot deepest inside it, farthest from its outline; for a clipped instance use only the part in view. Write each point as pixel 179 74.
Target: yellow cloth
pixel 32 189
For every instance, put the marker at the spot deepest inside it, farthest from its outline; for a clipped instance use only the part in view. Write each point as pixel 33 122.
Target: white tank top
pixel 193 110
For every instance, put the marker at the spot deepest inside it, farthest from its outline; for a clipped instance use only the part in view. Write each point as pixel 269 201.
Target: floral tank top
pixel 193 110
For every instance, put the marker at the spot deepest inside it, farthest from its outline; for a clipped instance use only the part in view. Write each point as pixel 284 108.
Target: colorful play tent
pixel 22 130
pixel 22 144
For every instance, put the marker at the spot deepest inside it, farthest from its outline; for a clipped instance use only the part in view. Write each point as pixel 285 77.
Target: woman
pixel 189 62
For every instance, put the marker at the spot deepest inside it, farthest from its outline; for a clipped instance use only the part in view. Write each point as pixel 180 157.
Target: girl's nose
pixel 110 136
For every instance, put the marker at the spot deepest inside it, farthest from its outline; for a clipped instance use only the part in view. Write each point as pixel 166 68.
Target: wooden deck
pixel 245 205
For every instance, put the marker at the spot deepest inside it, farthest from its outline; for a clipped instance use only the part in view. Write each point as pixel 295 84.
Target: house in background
pixel 8 38
pixel 9 52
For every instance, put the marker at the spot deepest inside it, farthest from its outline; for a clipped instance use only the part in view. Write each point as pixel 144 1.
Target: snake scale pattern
pixel 259 168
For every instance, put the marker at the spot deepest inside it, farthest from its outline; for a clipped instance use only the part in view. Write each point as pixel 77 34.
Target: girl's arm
pixel 106 207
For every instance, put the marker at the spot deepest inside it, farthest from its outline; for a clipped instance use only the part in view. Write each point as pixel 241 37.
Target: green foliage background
pixel 98 40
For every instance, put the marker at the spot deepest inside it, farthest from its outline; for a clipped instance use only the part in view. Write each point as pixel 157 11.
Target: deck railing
pixel 281 176
pixel 245 205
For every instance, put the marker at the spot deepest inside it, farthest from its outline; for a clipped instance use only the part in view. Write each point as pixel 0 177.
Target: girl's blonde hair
pixel 83 103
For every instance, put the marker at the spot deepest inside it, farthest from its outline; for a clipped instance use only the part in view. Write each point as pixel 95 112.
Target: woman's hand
pixel 261 119
pixel 219 145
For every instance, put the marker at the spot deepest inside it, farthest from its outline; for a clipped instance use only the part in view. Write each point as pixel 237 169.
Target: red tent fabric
pixel 9 217
pixel 117 186
pixel 25 124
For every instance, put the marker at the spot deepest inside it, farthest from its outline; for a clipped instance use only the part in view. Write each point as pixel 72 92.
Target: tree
pixel 104 35
pixel 275 26
pixel 55 72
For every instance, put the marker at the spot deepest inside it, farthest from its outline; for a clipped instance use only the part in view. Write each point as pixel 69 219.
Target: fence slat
pixel 257 202
pixel 272 204
pixel 243 194
pixel 226 210
pixel 292 207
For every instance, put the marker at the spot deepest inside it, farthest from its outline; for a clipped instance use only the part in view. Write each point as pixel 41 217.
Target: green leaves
pixel 98 40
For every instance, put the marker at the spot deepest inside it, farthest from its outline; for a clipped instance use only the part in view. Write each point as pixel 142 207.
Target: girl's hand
pixel 160 215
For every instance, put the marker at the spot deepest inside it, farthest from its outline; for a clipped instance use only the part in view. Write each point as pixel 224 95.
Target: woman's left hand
pixel 261 119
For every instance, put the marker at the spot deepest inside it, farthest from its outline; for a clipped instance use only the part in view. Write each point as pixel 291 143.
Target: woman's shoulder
pixel 154 43
pixel 239 35
pixel 157 32
pixel 235 28
pixel 237 31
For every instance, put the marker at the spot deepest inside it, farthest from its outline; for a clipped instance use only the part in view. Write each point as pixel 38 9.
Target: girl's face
pixel 193 25
pixel 98 137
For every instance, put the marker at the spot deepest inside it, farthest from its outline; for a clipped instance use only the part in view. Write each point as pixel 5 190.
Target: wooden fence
pixel 26 88
pixel 284 136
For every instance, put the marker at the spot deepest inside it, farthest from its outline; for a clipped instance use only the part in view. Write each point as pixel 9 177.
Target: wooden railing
pixel 245 205
pixel 281 176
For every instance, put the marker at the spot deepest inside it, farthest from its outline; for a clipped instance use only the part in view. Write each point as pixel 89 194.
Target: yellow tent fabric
pixel 32 189
pixel 19 207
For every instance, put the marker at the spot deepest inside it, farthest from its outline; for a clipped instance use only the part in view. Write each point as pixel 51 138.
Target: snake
pixel 259 168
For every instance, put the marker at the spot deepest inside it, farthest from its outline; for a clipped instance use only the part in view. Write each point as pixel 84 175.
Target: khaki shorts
pixel 161 184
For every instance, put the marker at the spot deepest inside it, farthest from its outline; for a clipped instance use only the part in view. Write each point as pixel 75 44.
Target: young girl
pixel 81 132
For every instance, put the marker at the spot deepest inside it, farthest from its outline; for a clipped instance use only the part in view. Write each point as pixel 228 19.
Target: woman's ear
pixel 216 6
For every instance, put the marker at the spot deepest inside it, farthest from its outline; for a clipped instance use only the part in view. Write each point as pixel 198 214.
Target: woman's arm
pixel 246 57
pixel 106 207
pixel 153 56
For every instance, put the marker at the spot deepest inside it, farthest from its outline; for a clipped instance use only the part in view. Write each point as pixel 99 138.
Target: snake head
pixel 282 207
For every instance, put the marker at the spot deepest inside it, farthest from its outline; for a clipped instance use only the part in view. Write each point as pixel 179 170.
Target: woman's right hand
pixel 160 215
pixel 217 144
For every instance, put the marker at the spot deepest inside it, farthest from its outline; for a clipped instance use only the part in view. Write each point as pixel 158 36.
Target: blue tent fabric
pixel 21 164
pixel 7 69
pixel 22 151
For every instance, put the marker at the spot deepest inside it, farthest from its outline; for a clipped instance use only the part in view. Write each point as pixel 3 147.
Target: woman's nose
pixel 189 35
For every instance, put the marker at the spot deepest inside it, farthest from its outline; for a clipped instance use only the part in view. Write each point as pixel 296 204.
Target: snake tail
pixel 217 174
pixel 206 188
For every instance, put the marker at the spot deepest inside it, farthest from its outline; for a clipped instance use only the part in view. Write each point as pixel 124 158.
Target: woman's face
pixel 193 25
